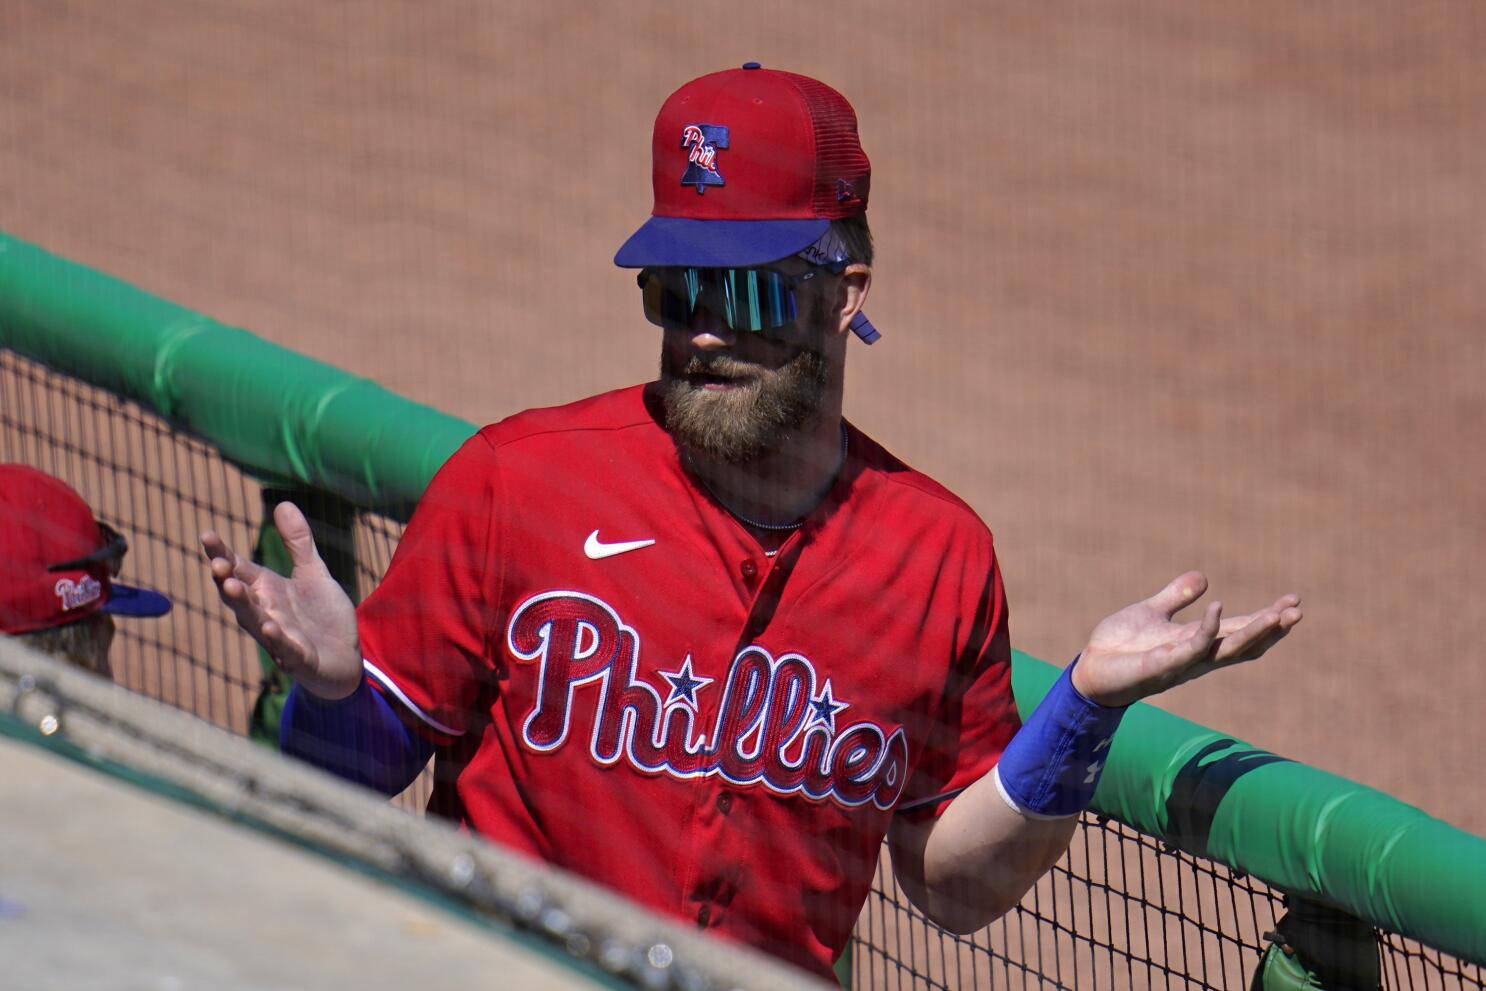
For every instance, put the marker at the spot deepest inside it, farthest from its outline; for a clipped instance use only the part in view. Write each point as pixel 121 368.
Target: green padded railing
pixel 276 414
pixel 286 418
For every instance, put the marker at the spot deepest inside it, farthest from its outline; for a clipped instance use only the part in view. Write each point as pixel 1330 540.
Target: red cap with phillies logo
pixel 56 560
pixel 749 166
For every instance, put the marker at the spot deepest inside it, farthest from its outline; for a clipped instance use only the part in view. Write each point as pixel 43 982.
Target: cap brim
pixel 126 600
pixel 717 243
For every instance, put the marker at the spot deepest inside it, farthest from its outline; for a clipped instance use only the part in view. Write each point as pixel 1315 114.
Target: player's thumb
pixel 295 531
pixel 1180 592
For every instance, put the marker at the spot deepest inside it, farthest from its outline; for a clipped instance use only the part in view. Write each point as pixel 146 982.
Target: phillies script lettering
pixel 702 152
pixel 775 725
pixel 76 594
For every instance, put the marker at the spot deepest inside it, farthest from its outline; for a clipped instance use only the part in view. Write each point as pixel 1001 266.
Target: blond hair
pixel 77 643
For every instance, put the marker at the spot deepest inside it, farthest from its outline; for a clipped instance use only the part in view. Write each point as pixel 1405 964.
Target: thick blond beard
pixel 743 425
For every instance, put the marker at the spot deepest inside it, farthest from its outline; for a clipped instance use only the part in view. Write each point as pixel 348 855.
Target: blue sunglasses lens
pixel 746 299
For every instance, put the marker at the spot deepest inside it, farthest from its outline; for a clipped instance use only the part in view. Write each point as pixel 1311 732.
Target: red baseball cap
pixel 749 166
pixel 56 560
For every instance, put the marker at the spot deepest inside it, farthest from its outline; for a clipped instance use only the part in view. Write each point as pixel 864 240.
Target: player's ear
pixel 851 294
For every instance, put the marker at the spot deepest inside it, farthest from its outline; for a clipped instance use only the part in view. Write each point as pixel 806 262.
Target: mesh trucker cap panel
pixel 842 171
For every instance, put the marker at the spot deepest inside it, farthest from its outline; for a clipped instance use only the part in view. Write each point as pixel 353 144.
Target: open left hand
pixel 1140 651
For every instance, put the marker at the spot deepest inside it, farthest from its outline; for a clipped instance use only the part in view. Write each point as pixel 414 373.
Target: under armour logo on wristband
pixel 1098 765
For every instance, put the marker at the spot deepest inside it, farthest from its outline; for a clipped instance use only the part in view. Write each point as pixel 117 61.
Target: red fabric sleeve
pixel 424 631
pixel 977 717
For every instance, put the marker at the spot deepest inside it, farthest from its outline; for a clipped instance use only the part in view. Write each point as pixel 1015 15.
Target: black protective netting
pixel 161 489
pixel 1120 910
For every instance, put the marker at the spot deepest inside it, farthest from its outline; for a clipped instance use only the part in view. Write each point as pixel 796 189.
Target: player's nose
pixel 709 332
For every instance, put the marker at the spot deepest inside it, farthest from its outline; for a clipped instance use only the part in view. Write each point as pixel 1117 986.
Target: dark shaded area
pixel 1200 787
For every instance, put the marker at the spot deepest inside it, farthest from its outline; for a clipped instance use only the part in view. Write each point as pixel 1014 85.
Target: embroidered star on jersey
pixel 684 685
pixel 826 707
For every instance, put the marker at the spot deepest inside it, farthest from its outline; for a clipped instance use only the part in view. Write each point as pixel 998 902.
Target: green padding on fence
pixel 275 413
pixel 1297 828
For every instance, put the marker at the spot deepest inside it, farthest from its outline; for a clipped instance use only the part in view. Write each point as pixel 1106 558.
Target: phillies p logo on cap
pixel 701 142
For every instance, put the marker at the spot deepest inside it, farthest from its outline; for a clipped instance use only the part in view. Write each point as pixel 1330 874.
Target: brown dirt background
pixel 1163 284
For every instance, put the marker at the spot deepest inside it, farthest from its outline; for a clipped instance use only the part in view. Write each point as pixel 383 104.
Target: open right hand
pixel 306 622
pixel 1142 650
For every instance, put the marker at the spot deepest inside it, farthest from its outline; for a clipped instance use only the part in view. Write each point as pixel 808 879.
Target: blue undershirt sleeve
pixel 359 738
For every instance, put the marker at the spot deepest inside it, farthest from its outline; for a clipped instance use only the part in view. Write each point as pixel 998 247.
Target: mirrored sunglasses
pixel 746 299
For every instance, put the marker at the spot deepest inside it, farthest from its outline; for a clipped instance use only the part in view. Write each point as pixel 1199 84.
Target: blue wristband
pixel 1051 767
pixel 359 738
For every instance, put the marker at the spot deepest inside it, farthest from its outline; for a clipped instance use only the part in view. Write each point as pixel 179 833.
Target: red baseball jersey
pixel 622 683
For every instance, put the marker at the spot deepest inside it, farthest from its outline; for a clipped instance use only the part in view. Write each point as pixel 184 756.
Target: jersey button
pixel 725 803
pixel 749 570
pixel 704 916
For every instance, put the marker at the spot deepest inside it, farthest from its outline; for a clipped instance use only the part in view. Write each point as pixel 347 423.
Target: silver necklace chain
pixel 772 526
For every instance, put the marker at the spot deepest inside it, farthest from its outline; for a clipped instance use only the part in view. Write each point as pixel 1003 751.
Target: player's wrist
pixel 1078 676
pixel 1052 766
pixel 334 689
pixel 1088 685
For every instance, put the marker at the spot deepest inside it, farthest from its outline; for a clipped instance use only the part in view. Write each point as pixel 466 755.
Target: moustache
pixel 719 367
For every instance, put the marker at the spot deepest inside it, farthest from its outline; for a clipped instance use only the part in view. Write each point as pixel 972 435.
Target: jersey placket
pixel 711 875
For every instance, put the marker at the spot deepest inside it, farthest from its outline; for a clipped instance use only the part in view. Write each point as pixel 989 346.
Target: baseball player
pixel 57 571
pixel 702 640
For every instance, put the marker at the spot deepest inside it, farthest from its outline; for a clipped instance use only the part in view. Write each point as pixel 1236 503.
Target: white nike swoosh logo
pixel 597 550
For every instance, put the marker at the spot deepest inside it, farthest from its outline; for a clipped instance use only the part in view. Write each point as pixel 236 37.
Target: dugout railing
pixel 1205 862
